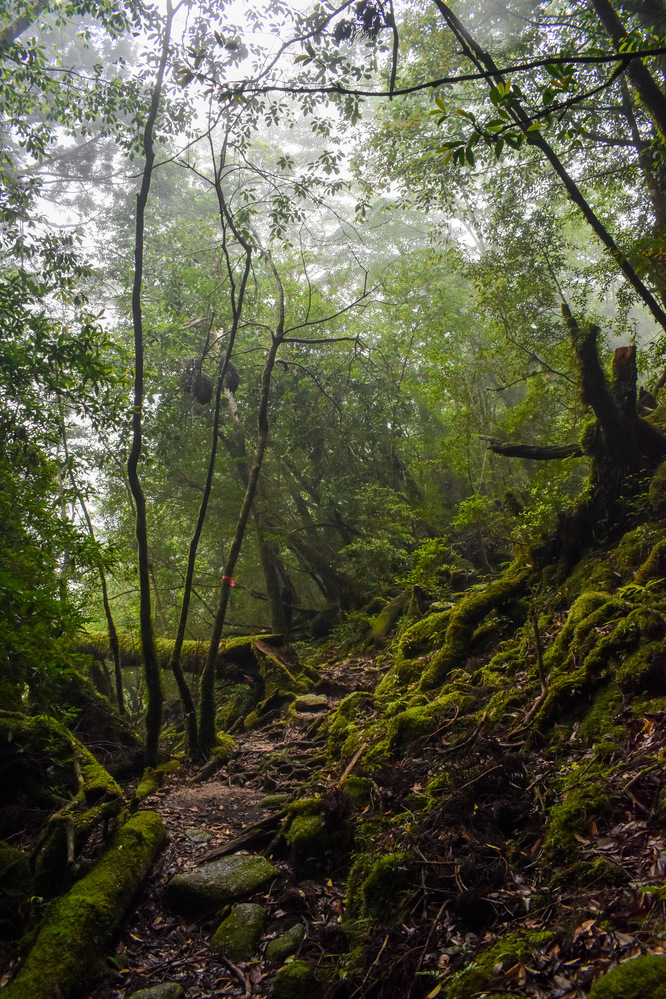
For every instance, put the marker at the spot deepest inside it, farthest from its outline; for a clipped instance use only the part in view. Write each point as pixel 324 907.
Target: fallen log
pixel 69 950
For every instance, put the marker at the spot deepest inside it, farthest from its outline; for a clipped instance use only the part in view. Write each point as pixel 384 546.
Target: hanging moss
pixel 69 949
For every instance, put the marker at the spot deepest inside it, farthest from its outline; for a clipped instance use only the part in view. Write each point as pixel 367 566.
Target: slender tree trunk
pixel 236 449
pixel 114 644
pixel 237 300
pixel 151 664
pixel 207 732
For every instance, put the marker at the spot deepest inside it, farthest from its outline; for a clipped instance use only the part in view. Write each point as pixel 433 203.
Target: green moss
pixel 376 888
pixel 485 972
pixel 305 831
pixel 424 634
pixel 466 618
pixel 77 928
pixel 597 873
pixel 654 567
pixel 583 654
pixel 268 709
pixel 636 979
pixel 383 624
pixel 148 784
pixel 237 700
pixel 339 722
pixel 359 789
pixel 597 723
pixel 284 945
pixel 581 805
pixel 239 933
pixel 297 981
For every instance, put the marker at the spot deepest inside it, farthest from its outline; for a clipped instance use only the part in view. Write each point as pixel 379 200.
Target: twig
pixel 241 976
pixel 348 769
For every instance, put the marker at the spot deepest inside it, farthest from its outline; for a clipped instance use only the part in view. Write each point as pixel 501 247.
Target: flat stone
pixel 227 880
pixel 198 835
pixel 237 937
pixel 284 945
pixel 168 990
pixel 310 702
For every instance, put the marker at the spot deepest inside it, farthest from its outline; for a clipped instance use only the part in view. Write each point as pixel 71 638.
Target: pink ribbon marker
pixel 230 579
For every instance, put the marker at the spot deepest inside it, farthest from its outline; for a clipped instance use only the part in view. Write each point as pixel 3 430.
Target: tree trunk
pixel 207 734
pixel 151 664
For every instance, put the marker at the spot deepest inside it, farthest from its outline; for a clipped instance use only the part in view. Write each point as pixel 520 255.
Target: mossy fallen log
pixel 69 949
pixel 45 767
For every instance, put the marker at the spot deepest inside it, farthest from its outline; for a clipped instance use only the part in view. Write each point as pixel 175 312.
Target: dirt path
pixel 202 818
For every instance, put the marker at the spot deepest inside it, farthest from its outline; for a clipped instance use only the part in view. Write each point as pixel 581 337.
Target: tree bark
pixel 535 452
pixel 151 664
pixel 207 734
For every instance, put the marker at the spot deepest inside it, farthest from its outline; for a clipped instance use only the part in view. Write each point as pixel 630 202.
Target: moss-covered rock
pixel 319 831
pixel 572 816
pixel 640 978
pixel 221 882
pixel 69 949
pixel 285 945
pixel 238 935
pixel 297 981
pixel 376 887
pixel 484 973
pixel 310 704
pixel 168 990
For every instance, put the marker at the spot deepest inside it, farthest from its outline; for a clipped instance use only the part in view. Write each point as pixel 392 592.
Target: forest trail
pixel 235 809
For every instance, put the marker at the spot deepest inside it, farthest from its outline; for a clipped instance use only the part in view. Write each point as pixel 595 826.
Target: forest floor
pixel 207 817
pixel 573 928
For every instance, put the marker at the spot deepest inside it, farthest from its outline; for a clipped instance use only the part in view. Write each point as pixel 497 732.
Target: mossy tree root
pixel 467 615
pixel 69 949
